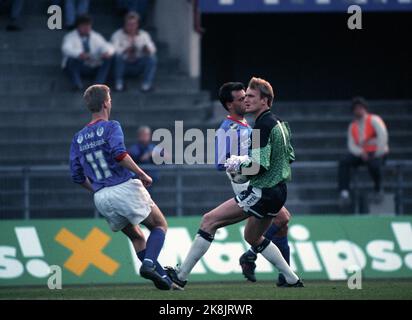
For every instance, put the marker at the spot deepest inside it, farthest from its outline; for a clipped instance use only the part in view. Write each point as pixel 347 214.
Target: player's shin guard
pixel 199 247
pixel 154 244
pixel 273 255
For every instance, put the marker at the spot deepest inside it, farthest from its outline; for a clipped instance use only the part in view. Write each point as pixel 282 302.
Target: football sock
pixel 199 247
pixel 283 246
pixel 154 244
pixel 159 268
pixel 273 255
pixel 271 231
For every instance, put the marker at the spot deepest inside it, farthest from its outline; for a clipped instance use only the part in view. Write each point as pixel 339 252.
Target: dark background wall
pixel 311 56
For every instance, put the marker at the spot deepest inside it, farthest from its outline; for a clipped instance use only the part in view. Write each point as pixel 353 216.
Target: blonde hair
pixel 95 96
pixel 263 87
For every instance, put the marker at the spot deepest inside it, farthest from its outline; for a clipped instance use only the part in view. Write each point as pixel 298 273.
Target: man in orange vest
pixel 367 144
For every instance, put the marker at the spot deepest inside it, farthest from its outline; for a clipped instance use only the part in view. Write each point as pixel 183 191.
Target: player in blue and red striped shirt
pixel 100 163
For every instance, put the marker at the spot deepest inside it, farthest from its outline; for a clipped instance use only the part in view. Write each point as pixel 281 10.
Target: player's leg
pixel 277 232
pixel 254 231
pixel 157 225
pixel 132 201
pixel 136 236
pixel 226 214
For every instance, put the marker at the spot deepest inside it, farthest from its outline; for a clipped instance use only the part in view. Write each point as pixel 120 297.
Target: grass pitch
pixel 263 290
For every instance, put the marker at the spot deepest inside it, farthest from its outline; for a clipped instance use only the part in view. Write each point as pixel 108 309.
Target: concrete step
pixel 311 108
pixel 337 154
pixel 22 70
pixel 129 116
pixel 33 84
pixel 120 101
pixel 23 64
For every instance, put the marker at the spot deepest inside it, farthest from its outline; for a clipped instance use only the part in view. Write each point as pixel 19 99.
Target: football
pixel 238 178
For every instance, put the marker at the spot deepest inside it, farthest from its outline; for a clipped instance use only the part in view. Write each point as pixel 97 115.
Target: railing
pixel 26 173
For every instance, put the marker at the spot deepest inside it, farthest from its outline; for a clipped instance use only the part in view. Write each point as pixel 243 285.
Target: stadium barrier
pixel 26 174
pixel 322 247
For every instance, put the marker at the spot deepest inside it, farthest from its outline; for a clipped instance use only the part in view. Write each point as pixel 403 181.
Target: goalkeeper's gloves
pixel 234 163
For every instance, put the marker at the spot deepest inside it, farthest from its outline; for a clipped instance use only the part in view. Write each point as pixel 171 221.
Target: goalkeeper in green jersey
pixel 268 170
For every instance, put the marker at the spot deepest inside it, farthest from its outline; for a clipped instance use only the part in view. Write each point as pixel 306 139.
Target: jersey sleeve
pixel 115 139
pixel 76 169
pixel 222 145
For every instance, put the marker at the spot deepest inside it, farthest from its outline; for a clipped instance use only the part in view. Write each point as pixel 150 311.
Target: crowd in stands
pixel 130 51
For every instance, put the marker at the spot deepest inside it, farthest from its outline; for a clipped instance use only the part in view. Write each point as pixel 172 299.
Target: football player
pixel 99 162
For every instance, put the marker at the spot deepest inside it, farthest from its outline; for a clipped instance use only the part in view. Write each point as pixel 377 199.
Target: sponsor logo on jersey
pixel 89 135
pixel 100 131
pixel 80 139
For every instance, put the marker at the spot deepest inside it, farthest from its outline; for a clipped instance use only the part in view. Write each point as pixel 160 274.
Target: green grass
pixel 371 289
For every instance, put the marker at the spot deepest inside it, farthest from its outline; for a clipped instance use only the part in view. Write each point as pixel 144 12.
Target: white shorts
pixel 128 202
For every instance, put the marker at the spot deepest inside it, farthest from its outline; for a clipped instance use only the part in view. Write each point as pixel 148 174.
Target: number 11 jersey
pixel 96 151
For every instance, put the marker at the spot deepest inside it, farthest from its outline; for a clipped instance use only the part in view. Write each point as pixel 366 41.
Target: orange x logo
pixel 87 251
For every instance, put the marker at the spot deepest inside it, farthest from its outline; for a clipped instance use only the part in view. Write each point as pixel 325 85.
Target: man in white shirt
pixel 135 53
pixel 86 53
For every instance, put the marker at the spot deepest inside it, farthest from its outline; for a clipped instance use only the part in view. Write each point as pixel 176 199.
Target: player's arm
pixel 116 142
pixel 87 185
pixel 222 146
pixel 76 169
pixel 129 164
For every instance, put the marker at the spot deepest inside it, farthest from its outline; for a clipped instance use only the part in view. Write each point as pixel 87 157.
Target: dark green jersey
pixel 274 153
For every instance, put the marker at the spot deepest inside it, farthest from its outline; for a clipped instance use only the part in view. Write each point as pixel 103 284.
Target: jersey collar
pixel 94 122
pixel 245 124
pixel 262 114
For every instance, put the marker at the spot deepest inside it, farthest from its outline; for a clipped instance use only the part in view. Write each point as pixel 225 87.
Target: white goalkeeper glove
pixel 234 163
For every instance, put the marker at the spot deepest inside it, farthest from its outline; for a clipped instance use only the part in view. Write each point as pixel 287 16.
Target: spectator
pixel 135 53
pixel 16 8
pixel 86 52
pixel 144 150
pixel 139 6
pixel 368 145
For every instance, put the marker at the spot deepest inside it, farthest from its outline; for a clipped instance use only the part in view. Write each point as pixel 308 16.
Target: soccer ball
pixel 238 178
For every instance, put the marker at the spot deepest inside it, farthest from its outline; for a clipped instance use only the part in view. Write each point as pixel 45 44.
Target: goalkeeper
pixel 233 138
pixel 268 169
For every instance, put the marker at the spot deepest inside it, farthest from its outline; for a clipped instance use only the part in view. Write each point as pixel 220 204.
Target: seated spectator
pixel 139 6
pixel 144 150
pixel 135 53
pixel 368 145
pixel 86 52
pixel 16 8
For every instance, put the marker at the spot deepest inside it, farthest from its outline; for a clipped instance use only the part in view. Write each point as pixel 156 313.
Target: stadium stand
pixel 39 114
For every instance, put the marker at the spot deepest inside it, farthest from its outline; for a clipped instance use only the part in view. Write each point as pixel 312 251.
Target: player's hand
pixel 234 163
pixel 146 180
